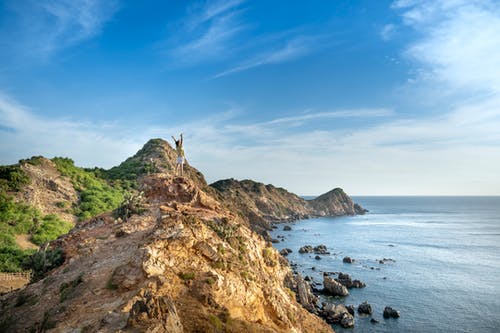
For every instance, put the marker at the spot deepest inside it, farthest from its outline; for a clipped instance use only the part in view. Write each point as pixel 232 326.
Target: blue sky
pixel 378 97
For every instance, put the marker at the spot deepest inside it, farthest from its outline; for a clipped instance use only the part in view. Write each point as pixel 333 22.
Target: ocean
pixel 445 276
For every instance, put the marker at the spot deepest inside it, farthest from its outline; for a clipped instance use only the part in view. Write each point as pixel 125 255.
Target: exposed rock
pixel 374 321
pixel 320 249
pixel 345 280
pixel 390 312
pixel 334 288
pixel 383 261
pixel 264 204
pixel 274 240
pixel 177 267
pixel 334 203
pixel 317 258
pixel 348 260
pixel 285 252
pixel 338 314
pixel 154 314
pixel 365 308
pixel 304 293
pixel 287 228
pixel 306 249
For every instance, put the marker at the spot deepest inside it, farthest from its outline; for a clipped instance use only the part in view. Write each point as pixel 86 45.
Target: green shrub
pixel 43 261
pixel 96 195
pixel 12 178
pixel 51 228
pixel 187 276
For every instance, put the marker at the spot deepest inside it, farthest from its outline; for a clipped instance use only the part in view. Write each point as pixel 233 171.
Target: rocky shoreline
pixel 335 284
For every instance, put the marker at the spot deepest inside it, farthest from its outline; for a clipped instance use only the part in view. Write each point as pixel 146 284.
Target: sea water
pixel 445 276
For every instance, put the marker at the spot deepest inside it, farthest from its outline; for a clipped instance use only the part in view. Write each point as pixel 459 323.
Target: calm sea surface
pixel 446 274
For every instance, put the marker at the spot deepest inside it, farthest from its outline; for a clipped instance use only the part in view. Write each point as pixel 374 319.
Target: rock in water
pixel 285 252
pixel 338 314
pixel 287 228
pixel 306 249
pixel 348 260
pixel 365 308
pixel 321 249
pixel 334 288
pixel 390 312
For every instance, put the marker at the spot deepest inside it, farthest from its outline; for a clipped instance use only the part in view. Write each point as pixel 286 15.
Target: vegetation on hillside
pixel 12 178
pixel 18 218
pixel 96 195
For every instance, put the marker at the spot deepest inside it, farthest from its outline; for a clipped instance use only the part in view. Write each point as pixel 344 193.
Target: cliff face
pixel 187 263
pixel 262 204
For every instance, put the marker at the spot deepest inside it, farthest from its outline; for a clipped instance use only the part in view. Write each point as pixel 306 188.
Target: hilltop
pixel 148 251
pixel 264 204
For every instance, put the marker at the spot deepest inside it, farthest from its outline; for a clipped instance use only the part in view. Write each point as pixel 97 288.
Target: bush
pixel 44 261
pixel 51 228
pixel 12 178
pixel 186 276
pixel 96 195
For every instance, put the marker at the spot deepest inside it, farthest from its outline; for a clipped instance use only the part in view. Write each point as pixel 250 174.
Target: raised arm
pixel 174 138
pixel 182 140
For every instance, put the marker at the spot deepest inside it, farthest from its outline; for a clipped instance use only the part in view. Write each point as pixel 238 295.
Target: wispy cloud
pixel 45 27
pixel 460 43
pixel 208 31
pixel 387 32
pixel 292 49
pixel 432 155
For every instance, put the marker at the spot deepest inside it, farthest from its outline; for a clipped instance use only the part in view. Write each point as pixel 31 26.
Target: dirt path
pixel 24 242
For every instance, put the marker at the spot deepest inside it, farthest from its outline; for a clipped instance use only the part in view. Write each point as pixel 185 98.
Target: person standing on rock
pixel 179 167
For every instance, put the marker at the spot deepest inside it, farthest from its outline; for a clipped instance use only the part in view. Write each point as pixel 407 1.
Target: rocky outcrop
pixel 334 203
pixel 263 204
pixel 348 282
pixel 333 287
pixel 338 314
pixel 348 260
pixel 365 308
pixel 390 312
pixel 185 264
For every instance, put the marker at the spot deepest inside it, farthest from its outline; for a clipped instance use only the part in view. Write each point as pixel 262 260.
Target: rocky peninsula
pixel 177 255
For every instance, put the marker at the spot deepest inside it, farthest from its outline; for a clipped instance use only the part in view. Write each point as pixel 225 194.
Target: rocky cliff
pixel 185 264
pixel 184 261
pixel 263 204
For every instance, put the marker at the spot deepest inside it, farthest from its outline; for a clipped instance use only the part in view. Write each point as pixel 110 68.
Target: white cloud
pixel 208 31
pixel 460 43
pixel 445 154
pixel 43 28
pixel 293 49
pixel 388 32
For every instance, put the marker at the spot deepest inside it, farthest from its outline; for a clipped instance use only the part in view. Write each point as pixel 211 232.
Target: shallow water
pixel 446 274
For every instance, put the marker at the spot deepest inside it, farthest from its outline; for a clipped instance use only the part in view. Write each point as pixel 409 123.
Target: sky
pixel 385 97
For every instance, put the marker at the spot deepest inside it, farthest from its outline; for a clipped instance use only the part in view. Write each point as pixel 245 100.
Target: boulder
pixel 374 321
pixel 390 312
pixel 358 284
pixel 285 252
pixel 365 308
pixel 320 249
pixel 348 260
pixel 304 293
pixel 334 288
pixel 287 228
pixel 317 258
pixel 345 280
pixel 338 314
pixel 306 249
